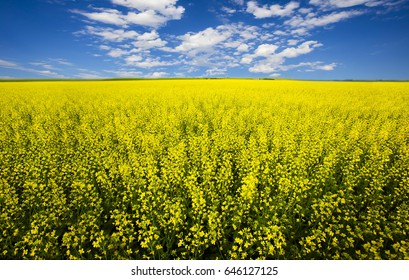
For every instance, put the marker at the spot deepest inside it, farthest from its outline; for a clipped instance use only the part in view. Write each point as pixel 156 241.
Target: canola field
pixel 204 169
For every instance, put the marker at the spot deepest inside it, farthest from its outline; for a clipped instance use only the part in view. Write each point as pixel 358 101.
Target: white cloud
pixel 216 49
pixel 147 18
pixel 165 7
pixel 238 2
pixel 147 36
pixel 390 5
pixel 249 32
pixel 62 61
pixel 110 34
pixel 104 48
pixel 228 10
pixel 43 65
pixel 324 20
pixel 149 40
pixel 328 67
pixel 7 64
pixel 147 63
pixel 124 73
pixel 275 75
pixel 264 50
pixel 89 76
pixel 273 61
pixel 311 66
pixel 108 16
pixel 299 32
pixel 270 11
pixel 146 13
pixel 268 25
pixel 157 75
pixel 216 72
pixel 47 72
pixel 232 44
pixel 345 3
pixel 141 42
pixel 243 48
pixel 305 10
pixel 201 41
pixel 220 47
pixel 133 58
pixel 247 59
pixel 292 42
pixel 304 48
pixel 280 33
pixel 269 65
pixel 117 53
pixel 149 44
pixel 386 5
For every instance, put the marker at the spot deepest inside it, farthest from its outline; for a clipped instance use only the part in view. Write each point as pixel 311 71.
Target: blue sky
pixel 308 39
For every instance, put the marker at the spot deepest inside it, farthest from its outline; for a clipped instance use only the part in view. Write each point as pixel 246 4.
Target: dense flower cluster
pixel 204 169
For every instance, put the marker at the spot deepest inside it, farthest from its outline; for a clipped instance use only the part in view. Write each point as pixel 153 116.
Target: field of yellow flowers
pixel 204 169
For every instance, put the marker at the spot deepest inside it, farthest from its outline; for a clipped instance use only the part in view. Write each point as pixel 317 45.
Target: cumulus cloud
pixel 145 41
pixel 304 48
pixel 216 71
pixel 157 75
pixel 108 16
pixel 130 60
pixel 149 40
pixel 238 2
pixel 243 48
pixel 147 18
pixel 216 49
pixel 110 34
pixel 345 3
pixel 229 10
pixel 292 42
pixel 327 67
pixel 202 41
pixel 309 66
pixel 312 22
pixel 273 61
pixel 305 10
pixel 249 32
pixel 299 32
pixel 146 13
pixel 134 43
pixel 117 53
pixel 280 33
pixel 270 11
pixel 264 50
pixel 115 17
pixel 166 8
pixel 147 63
